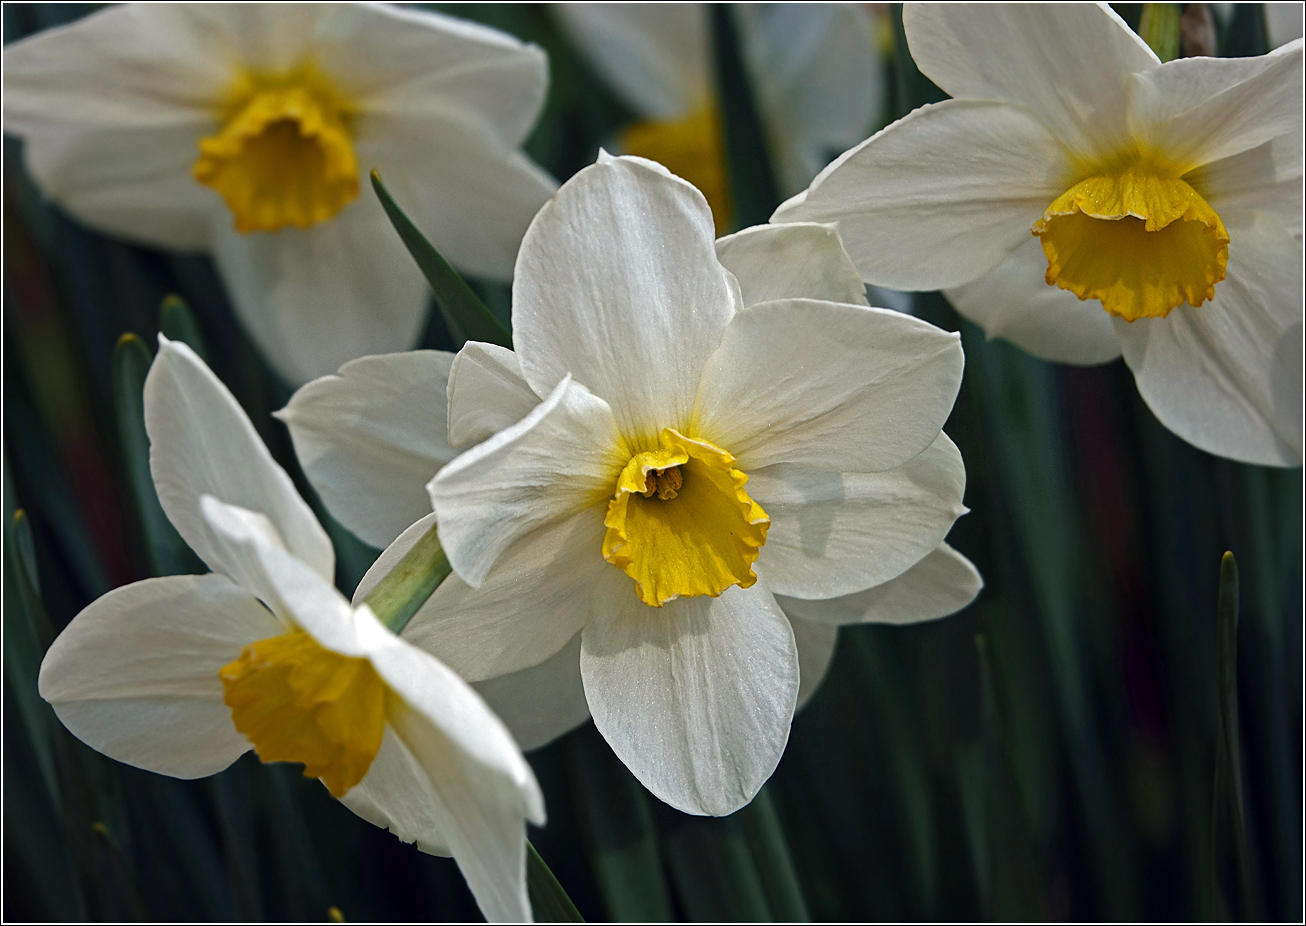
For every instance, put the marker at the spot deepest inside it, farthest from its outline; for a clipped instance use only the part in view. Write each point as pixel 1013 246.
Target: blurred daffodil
pixel 371 437
pixel 1084 200
pixel 657 460
pixel 247 130
pixel 182 675
pixel 814 67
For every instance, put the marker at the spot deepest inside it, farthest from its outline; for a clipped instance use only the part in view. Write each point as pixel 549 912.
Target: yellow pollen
pixel 690 147
pixel 1139 241
pixel 681 523
pixel 299 702
pixel 284 155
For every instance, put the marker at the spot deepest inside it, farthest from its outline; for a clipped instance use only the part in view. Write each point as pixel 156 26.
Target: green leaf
pixel 1023 424
pixel 167 552
pixel 619 830
pixel 886 684
pixel 549 901
pixel 766 837
pixel 712 868
pixel 1159 28
pixel 177 321
pixel 27 635
pixel 396 598
pixel 467 317
pixel 1005 859
pixel 1229 835
pixel 753 192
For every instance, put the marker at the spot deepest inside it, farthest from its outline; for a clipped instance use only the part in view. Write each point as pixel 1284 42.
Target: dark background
pixel 1049 753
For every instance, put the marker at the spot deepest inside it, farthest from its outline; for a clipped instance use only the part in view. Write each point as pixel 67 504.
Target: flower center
pixel 681 523
pixel 665 482
pixel 299 702
pixel 1139 241
pixel 690 147
pixel 283 156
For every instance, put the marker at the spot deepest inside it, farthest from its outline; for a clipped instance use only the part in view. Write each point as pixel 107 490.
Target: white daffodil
pixel 1084 200
pixel 814 69
pixel 182 675
pixel 370 438
pixel 684 459
pixel 248 131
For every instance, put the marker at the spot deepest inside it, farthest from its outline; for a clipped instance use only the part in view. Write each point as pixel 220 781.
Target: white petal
pixel 942 583
pixel 111 108
pixel 816 642
pixel 266 38
pixel 543 702
pixel 818 79
pixel 1264 179
pixel 836 533
pixel 532 603
pixel 293 591
pixel 1199 110
pixel 370 439
pixel 656 55
pixel 468 193
pixel 202 443
pixel 695 697
pixel 800 260
pixel 481 789
pixel 939 197
pixel 396 795
pixel 315 298
pixel 1227 377
pixel 560 459
pixel 423 66
pixel 127 66
pixel 135 675
pixel 133 183
pixel 486 393
pixel 839 387
pixel 1014 301
pixel 618 284
pixel 1068 62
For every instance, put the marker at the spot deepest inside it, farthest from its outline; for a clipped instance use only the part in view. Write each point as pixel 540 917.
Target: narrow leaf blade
pixel 549 901
pixel 467 317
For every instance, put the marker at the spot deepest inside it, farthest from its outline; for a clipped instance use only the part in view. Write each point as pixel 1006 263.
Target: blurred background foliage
pixel 1081 743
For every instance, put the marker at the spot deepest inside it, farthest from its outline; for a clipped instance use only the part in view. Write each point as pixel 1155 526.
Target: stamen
pixel 665 482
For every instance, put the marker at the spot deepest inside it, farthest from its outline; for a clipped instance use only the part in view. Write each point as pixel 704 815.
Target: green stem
pixel 549 902
pixel 396 598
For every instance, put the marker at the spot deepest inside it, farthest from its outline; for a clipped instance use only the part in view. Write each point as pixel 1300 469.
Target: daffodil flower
pixel 1084 200
pixel 814 68
pixel 182 675
pixel 681 458
pixel 248 130
pixel 371 437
